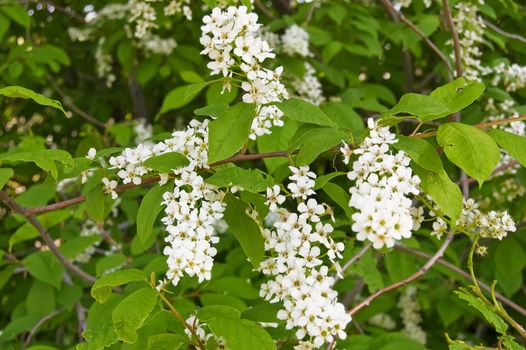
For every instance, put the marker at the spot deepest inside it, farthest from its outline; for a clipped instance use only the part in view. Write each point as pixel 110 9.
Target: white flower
pixel 274 198
pixel 91 153
pixel 295 40
pixel 109 187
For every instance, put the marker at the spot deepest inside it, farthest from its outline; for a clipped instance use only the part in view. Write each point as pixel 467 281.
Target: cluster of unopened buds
pixel 297 244
pixel 383 183
pixel 494 224
pixel 231 40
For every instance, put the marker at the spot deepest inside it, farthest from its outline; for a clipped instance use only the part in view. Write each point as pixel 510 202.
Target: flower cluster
pixel 410 315
pixel 104 65
pixel 512 76
pixel 493 224
pixel 309 87
pixel 295 40
pixel 230 39
pixel 383 183
pixel 383 321
pixel 301 280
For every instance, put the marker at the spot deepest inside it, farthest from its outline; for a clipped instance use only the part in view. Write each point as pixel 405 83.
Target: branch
pixel 352 260
pixel 454 36
pixel 406 280
pixel 17 208
pixel 464 274
pixel 264 9
pixel 40 322
pixel 505 33
pixel 68 101
pixel 389 6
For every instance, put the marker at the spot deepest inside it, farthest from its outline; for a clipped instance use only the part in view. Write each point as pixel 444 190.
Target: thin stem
pixel 352 260
pixel 389 6
pixel 17 208
pixel 181 318
pixel 505 33
pixel 407 280
pixel 454 36
pixel 40 322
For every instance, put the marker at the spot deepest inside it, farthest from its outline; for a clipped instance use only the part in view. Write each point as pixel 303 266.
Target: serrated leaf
pixel 470 149
pixel 130 314
pixel 21 92
pixel 246 230
pixel 149 210
pixel 515 145
pixel 305 112
pixel 45 267
pixel 229 132
pixel 313 141
pixel 487 311
pixel 421 152
pixel 252 180
pixel 44 159
pixel 101 289
pixel 167 162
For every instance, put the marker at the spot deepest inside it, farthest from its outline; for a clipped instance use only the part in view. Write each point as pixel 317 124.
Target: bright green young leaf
pixel 278 140
pixel 469 148
pixel 458 94
pixel 487 311
pixel 101 290
pixel 221 299
pixel 229 132
pixel 17 13
pixel 235 286
pixel 131 313
pixel 40 299
pixel 343 115
pixel 207 313
pixel 421 152
pixel 444 192
pixel 21 92
pixel 303 111
pixel 97 204
pixel 324 179
pixel 167 162
pixel 421 106
pixel 253 180
pixel 44 159
pixel 78 245
pixel 5 174
pixel 149 210
pixel 166 341
pixel 339 196
pixel 313 141
pixel 213 110
pixel 515 145
pixel 246 230
pixel 99 332
pixel 180 96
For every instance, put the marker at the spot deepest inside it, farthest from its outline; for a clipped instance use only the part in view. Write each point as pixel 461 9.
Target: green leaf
pixel 18 14
pixel 149 210
pixel 421 106
pixel 235 286
pixel 444 192
pixel 99 331
pixel 487 311
pixel 5 174
pixel 167 162
pixel 509 262
pixel 458 94
pixel 166 341
pixel 421 152
pixel 229 132
pixel 469 148
pixel 191 77
pixel 395 341
pixel 343 115
pixel 238 334
pixel 278 140
pixel 179 97
pixel 252 180
pixel 213 110
pixel 207 313
pixel 305 112
pixel 515 145
pixel 246 230
pixel 44 159
pixel 101 290
pixel 313 141
pixel 131 313
pixel 40 299
pixel 220 299
pixel 321 181
pixel 21 92
pixel 28 231
pixel 97 204
pixel 509 343
pixel 45 267
pixel 73 248
pixel 339 196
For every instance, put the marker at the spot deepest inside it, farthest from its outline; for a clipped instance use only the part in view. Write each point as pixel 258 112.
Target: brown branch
pixel 505 33
pixel 17 208
pixel 352 260
pixel 389 6
pixel 464 274
pixel 454 36
pixel 407 280
pixel 478 126
pixel 40 322
pixel 68 101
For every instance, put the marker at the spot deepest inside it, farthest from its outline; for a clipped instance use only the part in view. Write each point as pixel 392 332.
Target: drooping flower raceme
pixel 410 315
pixel 297 243
pixel 384 182
pixel 231 40
pixel 309 87
pixel 295 40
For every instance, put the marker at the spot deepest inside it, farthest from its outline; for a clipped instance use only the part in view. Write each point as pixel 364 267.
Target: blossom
pixel 91 153
pixel 274 198
pixel 295 40
pixel 109 187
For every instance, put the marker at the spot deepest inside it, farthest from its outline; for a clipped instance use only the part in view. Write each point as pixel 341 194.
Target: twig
pixel 454 36
pixel 68 101
pixel 40 322
pixel 352 260
pixel 81 317
pixel 464 274
pixel 497 170
pixel 17 208
pixel 407 280
pixel 387 4
pixel 263 9
pixel 478 126
pixel 505 33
